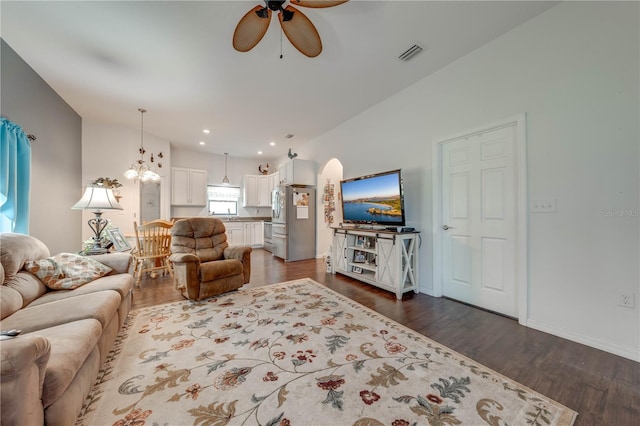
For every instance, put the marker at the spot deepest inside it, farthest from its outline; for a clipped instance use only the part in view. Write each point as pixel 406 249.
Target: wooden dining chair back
pixel 153 248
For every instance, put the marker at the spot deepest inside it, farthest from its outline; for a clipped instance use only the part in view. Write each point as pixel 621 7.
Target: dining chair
pixel 153 248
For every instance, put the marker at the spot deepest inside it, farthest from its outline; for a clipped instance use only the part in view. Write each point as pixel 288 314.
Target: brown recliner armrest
pixel 185 271
pixel 24 360
pixel 243 254
pixel 183 257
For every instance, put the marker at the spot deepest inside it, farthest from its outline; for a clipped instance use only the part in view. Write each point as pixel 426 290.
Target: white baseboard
pixel 623 351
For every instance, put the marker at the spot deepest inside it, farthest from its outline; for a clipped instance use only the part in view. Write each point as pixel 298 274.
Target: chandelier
pixel 140 169
pixel 225 179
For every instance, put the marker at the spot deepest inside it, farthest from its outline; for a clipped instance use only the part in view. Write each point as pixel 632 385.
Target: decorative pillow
pixel 66 271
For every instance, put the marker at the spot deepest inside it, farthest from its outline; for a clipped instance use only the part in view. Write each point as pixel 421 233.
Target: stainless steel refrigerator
pixel 293 217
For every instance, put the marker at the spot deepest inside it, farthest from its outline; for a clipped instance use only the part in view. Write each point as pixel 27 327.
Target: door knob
pixel 447 227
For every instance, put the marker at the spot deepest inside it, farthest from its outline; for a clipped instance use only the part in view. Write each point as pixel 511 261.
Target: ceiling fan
pixel 296 26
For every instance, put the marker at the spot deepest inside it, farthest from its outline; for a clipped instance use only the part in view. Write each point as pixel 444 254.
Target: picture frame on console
pixel 360 240
pixel 359 256
pixel 120 243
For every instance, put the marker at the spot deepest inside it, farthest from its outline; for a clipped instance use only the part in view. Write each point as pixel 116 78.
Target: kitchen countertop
pixel 247 219
pixel 238 218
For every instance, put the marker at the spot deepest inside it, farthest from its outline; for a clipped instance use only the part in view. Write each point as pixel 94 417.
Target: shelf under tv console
pixel 385 259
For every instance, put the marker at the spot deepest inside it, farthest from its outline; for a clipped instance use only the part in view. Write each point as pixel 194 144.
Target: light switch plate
pixel 543 206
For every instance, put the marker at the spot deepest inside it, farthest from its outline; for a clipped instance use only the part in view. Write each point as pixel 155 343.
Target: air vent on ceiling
pixel 410 52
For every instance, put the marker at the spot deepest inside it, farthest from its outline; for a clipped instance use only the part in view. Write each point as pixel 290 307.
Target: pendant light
pixel 140 169
pixel 225 180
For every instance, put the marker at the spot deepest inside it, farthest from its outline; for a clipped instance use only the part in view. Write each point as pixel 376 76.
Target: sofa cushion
pixel 28 285
pixel 10 301
pixel 15 249
pixel 23 288
pixel 100 306
pixel 66 271
pixel 71 344
pixel 122 283
pixel 120 262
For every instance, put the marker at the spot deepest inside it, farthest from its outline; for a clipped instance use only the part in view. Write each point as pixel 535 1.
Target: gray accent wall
pixel 56 171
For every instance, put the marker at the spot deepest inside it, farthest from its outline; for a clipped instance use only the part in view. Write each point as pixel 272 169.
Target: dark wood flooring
pixel 604 389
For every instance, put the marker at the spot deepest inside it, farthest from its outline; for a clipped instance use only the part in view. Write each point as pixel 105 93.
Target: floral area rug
pixel 297 353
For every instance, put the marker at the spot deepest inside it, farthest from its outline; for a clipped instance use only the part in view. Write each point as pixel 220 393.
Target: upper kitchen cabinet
pixel 274 181
pixel 256 191
pixel 188 187
pixel 298 172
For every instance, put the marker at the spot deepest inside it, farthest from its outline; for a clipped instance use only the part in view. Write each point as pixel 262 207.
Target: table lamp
pixel 97 198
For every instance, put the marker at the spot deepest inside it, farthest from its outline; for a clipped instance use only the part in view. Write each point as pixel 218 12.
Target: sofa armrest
pixel 120 262
pixel 22 371
pixel 243 254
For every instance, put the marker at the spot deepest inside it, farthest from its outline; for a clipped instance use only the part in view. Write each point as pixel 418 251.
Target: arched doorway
pixel 329 208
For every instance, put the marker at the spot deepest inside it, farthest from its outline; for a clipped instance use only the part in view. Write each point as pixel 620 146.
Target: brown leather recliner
pixel 204 264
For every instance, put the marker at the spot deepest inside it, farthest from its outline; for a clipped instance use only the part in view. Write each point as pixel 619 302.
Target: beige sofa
pixel 48 370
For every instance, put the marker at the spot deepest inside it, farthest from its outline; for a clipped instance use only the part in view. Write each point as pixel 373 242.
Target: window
pixel 223 208
pixel 223 200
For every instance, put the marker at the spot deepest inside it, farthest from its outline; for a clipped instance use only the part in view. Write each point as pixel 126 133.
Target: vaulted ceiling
pixel 175 59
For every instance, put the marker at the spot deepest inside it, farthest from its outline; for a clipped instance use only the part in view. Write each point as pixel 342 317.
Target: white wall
pixel 108 151
pixel 574 70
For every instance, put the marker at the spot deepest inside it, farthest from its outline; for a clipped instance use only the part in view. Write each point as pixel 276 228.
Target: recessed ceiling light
pixel 272 143
pixel 206 131
pixel 201 142
pixel 259 152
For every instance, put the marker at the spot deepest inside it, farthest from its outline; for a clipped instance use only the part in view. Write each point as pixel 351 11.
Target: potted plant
pixel 109 183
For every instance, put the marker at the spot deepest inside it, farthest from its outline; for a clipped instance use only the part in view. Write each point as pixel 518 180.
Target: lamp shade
pixel 97 198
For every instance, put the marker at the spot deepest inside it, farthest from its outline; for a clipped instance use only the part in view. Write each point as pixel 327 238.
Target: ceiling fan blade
pixel 251 28
pixel 318 3
pixel 300 32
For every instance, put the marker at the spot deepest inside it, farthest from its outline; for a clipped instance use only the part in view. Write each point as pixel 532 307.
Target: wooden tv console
pixel 385 259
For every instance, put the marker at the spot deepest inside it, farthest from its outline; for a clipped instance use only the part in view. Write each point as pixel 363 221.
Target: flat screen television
pixel 376 199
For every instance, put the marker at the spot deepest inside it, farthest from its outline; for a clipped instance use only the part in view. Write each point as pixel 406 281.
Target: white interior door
pixel 149 201
pixel 479 207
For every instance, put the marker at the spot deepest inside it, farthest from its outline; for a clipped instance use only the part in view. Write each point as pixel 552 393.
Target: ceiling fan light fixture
pixel 287 15
pixel 296 26
pixel 263 13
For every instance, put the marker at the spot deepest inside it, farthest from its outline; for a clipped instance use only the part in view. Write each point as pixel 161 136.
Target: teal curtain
pixel 15 178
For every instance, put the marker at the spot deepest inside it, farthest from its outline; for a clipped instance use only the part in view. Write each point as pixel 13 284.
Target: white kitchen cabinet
pixel 298 172
pixel 256 191
pixel 188 187
pixel 254 234
pixel 245 233
pixel 274 181
pixel 235 233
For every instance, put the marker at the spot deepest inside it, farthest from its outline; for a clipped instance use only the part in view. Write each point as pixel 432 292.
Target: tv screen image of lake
pixel 369 212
